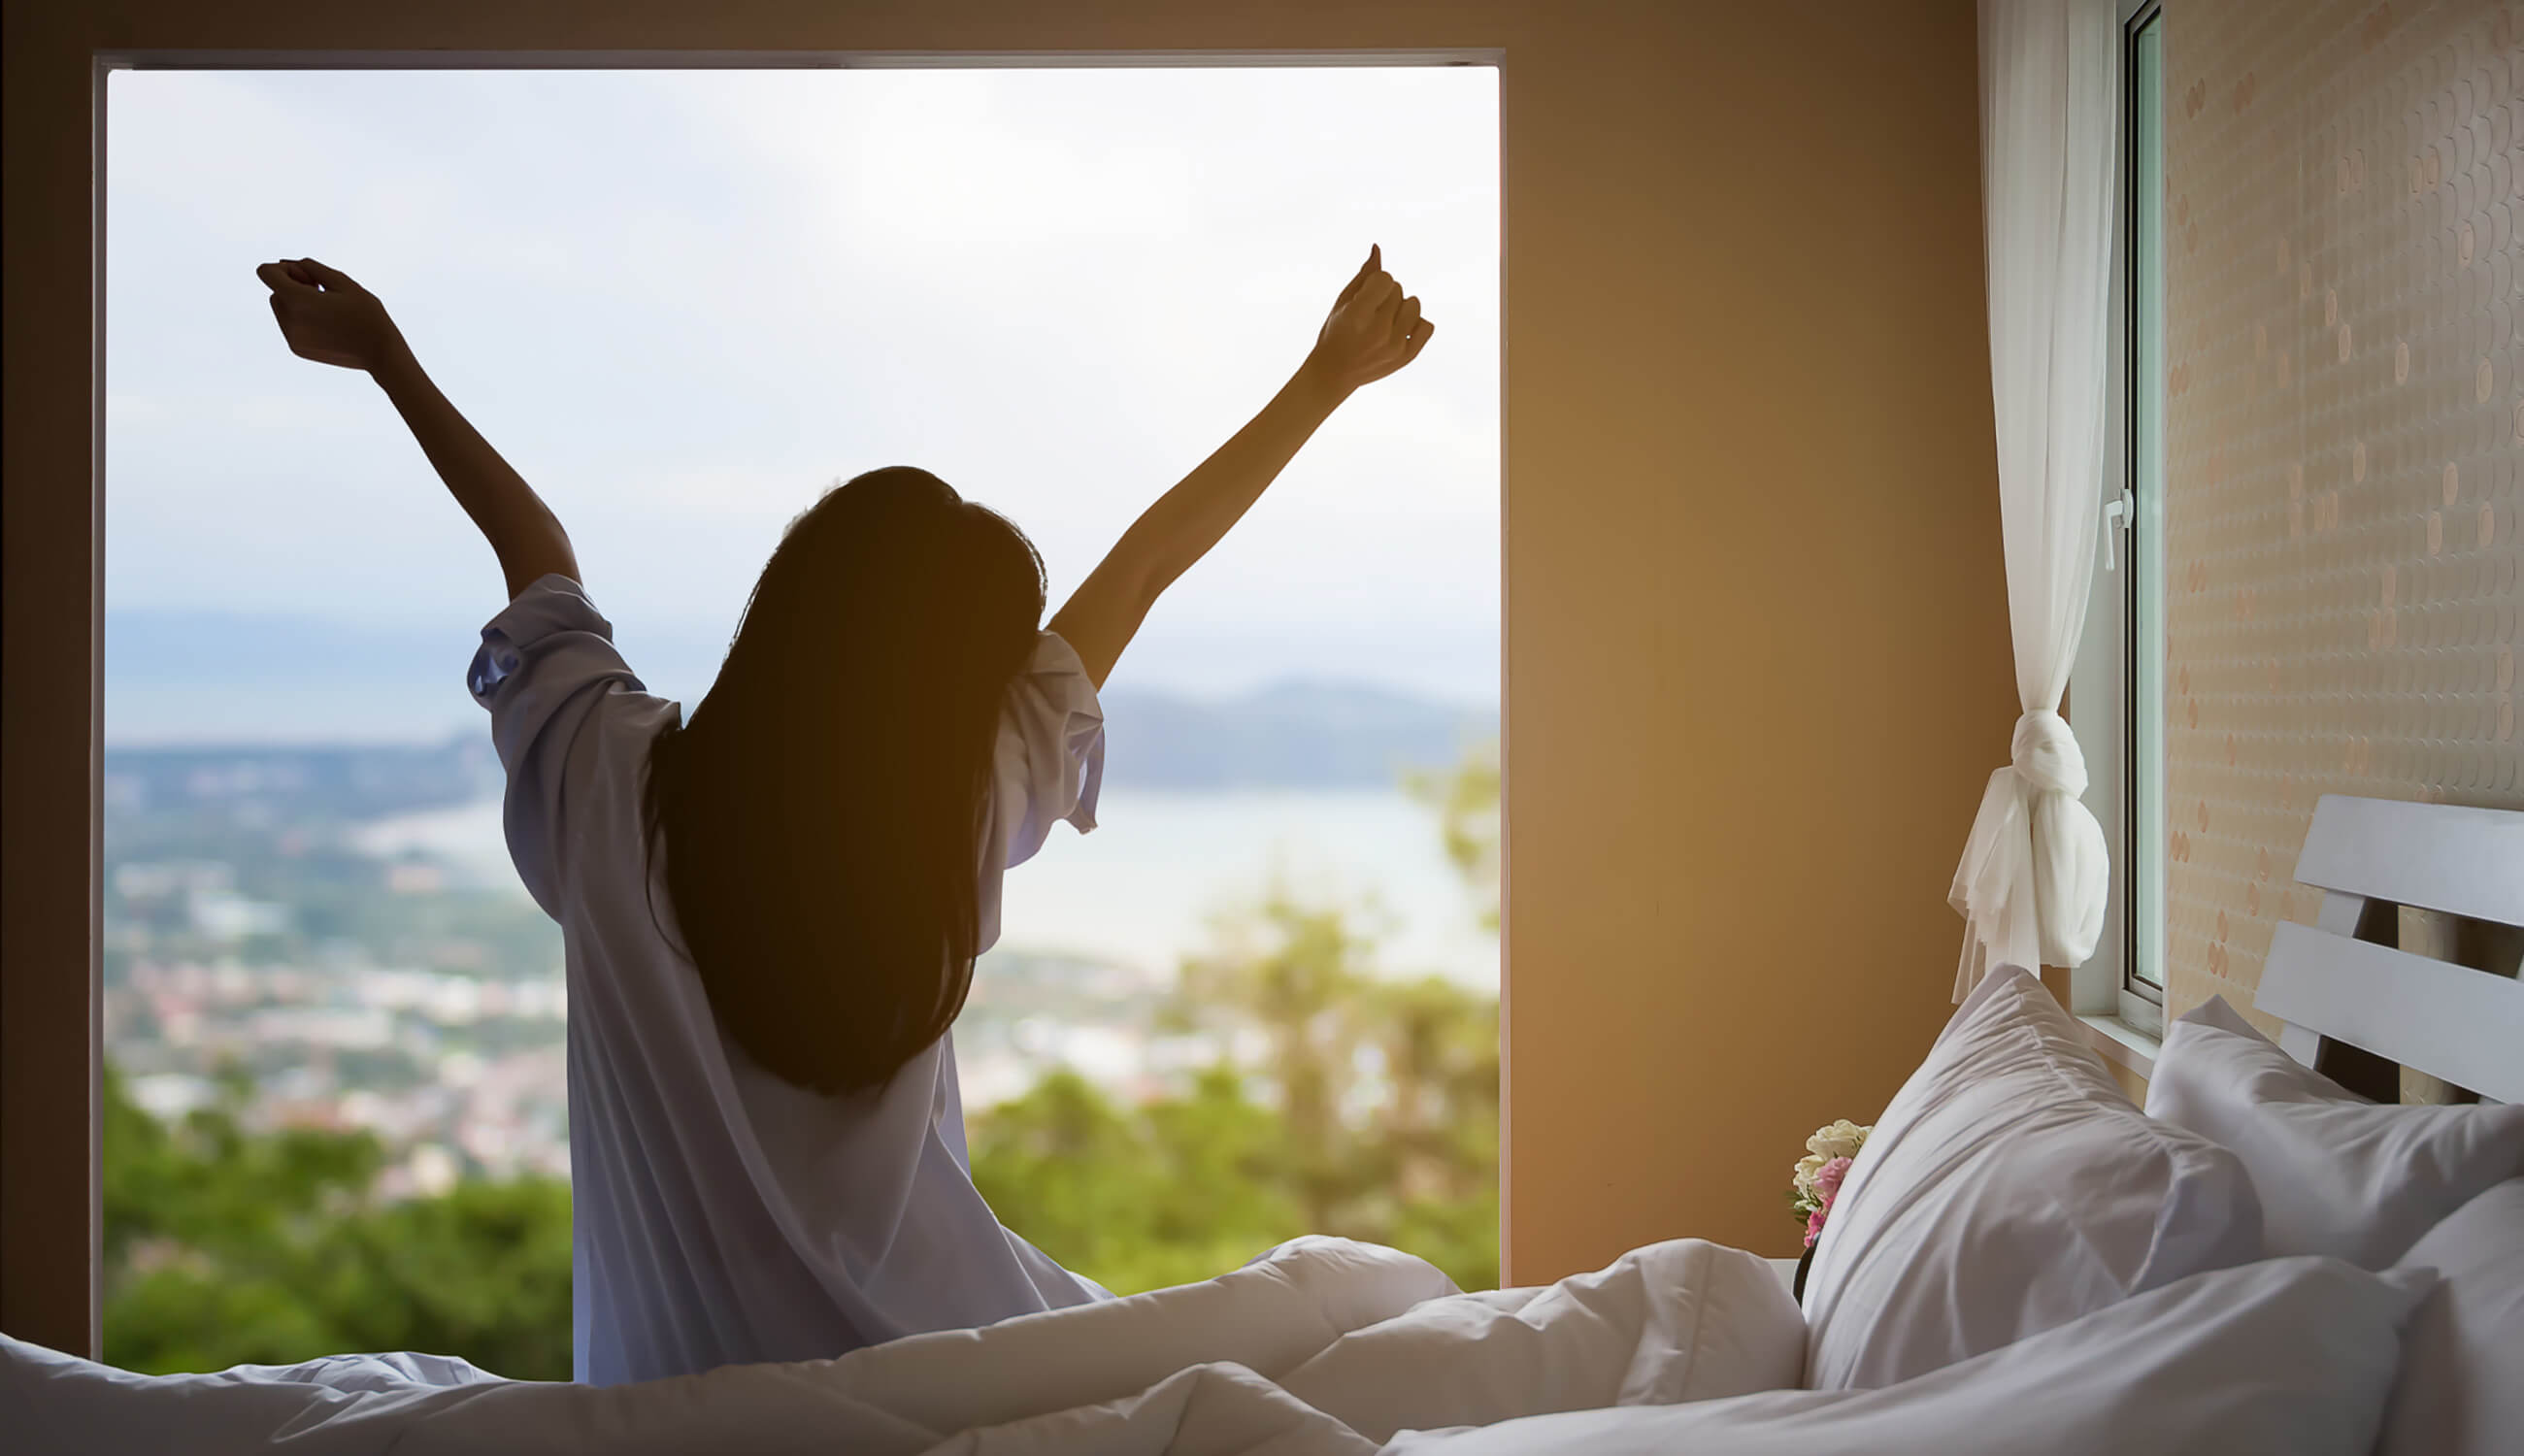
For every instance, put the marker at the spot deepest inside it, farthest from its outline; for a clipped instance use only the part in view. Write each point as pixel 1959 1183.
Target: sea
pixel 1161 872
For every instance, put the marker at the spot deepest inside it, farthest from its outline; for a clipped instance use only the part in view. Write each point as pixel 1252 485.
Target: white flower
pixel 1841 1140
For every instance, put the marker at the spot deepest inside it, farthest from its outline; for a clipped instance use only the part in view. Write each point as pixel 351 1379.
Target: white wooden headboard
pixel 2463 1025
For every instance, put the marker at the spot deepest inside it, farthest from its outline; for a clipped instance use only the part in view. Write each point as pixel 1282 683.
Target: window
pixel 681 302
pixel 2144 974
pixel 2116 693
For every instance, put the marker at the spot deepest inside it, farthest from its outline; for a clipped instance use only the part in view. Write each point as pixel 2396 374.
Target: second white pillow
pixel 2337 1174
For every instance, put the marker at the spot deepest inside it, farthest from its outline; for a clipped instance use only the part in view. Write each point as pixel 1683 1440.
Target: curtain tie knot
pixel 2046 755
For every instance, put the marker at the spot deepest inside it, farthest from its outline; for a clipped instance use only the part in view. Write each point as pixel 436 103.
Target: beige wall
pixel 1758 668
pixel 2344 291
pixel 1757 663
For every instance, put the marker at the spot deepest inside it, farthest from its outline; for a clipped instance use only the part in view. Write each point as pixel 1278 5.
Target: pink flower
pixel 1826 1186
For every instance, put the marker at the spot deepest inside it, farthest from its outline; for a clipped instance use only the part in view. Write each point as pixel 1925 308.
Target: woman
pixel 771 910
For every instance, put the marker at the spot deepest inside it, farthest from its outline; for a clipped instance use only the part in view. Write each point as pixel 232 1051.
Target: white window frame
pixel 2102 695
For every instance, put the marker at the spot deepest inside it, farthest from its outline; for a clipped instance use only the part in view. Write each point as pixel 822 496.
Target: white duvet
pixel 1323 1346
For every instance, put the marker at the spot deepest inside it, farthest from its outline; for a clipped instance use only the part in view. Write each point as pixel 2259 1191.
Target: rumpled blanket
pixel 1324 1346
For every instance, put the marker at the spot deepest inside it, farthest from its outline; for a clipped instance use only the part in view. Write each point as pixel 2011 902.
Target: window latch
pixel 2123 513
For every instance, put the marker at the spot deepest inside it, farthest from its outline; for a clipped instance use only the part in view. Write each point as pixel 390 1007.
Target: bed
pixel 2261 1259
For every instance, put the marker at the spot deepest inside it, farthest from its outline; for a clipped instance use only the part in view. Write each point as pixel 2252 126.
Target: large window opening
pixel 1259 1001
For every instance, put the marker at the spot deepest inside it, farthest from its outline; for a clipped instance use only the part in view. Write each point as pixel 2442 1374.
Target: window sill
pixel 2116 1040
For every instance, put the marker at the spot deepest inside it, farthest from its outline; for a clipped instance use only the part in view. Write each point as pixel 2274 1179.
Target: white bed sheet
pixel 2293 1356
pixel 1323 1346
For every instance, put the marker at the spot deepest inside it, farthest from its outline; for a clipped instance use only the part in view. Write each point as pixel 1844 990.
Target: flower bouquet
pixel 1828 1154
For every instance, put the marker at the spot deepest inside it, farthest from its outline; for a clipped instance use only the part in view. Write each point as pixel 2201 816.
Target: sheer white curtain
pixel 2034 873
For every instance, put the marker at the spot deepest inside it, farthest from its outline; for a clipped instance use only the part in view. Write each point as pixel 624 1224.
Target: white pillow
pixel 2286 1355
pixel 2337 1174
pixel 2461 1392
pixel 1684 1320
pixel 2010 1188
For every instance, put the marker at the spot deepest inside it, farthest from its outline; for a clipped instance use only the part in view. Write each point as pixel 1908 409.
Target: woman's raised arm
pixel 1373 331
pixel 326 316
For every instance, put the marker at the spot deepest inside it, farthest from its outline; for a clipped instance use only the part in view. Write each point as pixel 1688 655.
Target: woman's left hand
pixel 1375 329
pixel 326 316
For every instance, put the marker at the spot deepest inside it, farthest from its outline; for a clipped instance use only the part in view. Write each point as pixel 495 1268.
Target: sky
pixel 683 303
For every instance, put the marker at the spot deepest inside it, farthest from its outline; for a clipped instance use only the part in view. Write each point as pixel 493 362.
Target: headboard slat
pixel 2456 1023
pixel 2464 861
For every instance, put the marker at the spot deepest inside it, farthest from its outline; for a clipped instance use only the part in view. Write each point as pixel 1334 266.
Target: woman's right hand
pixel 1373 331
pixel 326 316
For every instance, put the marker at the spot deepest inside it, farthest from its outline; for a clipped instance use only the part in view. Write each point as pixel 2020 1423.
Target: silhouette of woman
pixel 771 908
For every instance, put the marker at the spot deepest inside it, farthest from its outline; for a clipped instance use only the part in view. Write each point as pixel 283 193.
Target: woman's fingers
pixel 1406 318
pixel 1357 280
pixel 281 279
pixel 1388 299
pixel 304 275
pixel 1418 339
pixel 330 277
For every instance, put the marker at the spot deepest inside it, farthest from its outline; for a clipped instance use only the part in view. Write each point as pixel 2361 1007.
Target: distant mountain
pixel 1289 735
pixel 378 720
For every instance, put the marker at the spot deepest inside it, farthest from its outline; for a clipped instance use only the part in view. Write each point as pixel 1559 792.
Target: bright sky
pixel 682 302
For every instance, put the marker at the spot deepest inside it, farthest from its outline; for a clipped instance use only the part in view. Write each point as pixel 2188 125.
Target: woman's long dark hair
pixel 821 810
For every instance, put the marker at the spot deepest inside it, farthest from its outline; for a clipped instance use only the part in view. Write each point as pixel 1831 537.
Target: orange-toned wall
pixel 1757 664
pixel 1757 661
pixel 2344 440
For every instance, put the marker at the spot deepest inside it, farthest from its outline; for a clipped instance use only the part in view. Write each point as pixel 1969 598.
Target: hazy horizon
pixel 219 679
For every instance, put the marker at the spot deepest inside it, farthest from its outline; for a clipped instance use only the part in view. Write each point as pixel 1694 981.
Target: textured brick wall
pixel 2345 438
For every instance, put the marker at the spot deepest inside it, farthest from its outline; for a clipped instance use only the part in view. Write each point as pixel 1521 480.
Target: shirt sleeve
pixel 1050 756
pixel 546 669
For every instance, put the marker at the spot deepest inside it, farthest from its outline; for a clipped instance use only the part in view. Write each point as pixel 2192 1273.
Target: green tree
pixel 1138 1197
pixel 1466 798
pixel 1371 1113
pixel 1299 974
pixel 226 1245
